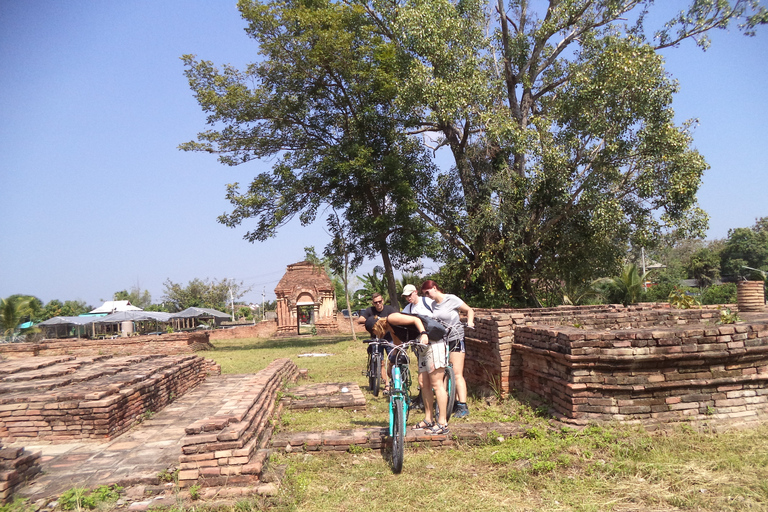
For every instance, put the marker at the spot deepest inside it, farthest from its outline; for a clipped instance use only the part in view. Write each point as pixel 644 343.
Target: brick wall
pixel 263 329
pixel 172 343
pixel 17 465
pixel 59 398
pixel 641 363
pixel 229 448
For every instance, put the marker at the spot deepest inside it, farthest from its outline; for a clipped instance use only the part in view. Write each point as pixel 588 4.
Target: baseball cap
pixel 408 289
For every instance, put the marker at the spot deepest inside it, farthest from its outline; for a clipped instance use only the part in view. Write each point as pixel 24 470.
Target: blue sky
pixel 97 198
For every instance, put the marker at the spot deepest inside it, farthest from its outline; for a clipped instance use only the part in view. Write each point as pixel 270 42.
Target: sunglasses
pixel 378 302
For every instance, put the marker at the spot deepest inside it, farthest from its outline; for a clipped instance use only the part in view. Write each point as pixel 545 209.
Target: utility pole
pixel 642 254
pixel 232 300
pixel 263 294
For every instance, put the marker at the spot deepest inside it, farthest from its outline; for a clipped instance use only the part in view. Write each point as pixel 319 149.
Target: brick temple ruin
pixel 648 364
pixel 306 295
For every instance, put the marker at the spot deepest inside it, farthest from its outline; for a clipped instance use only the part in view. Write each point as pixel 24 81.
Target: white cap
pixel 408 289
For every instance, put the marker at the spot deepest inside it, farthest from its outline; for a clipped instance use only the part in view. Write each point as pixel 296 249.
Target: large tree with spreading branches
pixel 557 116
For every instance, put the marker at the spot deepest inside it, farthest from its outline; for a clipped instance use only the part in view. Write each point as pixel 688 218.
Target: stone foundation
pixel 60 398
pixel 642 363
pixel 16 467
pixel 229 448
pixel 170 343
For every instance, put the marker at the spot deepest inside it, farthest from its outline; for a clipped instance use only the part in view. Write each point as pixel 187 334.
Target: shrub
pixel 719 294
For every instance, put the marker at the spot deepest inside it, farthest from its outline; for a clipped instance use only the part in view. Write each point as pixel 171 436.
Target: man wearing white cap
pixel 416 305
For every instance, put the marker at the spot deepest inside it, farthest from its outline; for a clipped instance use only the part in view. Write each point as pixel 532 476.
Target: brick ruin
pixel 646 363
pixel 230 446
pixel 305 288
pixel 17 465
pixel 168 343
pixel 61 398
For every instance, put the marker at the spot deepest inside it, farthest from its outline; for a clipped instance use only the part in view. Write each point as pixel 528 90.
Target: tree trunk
pixel 389 272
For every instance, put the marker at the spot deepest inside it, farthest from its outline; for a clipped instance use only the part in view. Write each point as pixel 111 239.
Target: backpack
pixel 435 329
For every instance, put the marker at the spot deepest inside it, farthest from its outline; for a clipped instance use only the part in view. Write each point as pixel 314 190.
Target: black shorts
pixel 456 345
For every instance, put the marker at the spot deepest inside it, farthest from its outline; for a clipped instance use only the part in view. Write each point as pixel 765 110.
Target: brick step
pixel 25 365
pixel 314 396
pixel 378 437
pixel 225 448
pixel 110 373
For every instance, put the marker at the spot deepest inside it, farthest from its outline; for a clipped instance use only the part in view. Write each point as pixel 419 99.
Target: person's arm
pixel 362 318
pixel 403 320
pixel 470 314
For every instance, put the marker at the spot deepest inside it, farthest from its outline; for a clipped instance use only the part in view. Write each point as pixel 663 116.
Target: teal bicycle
pixel 399 397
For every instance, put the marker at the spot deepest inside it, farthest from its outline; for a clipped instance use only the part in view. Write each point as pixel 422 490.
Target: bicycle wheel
pixel 374 379
pixel 449 380
pixel 398 436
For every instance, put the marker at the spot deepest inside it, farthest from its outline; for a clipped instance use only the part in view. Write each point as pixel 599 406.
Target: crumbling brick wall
pixel 645 363
pixel 229 447
pixel 17 465
pixel 59 398
pixel 169 343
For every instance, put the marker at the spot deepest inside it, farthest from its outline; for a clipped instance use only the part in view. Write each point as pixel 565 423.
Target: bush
pixel 719 294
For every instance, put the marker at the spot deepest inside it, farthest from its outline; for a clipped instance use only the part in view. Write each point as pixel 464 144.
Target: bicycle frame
pixel 400 383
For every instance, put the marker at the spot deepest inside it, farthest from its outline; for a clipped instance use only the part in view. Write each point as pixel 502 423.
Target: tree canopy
pixel 136 296
pixel 557 116
pixel 202 294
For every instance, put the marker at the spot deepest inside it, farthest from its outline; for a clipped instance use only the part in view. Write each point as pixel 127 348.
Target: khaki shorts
pixel 433 357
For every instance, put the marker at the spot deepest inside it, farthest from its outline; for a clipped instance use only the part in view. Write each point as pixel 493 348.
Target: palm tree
pixel 626 288
pixel 13 311
pixel 375 282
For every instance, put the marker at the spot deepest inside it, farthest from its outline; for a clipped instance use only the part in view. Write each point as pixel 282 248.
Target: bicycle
pixel 399 397
pixel 373 369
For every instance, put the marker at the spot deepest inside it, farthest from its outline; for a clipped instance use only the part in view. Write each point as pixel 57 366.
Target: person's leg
pixel 385 367
pixel 436 381
pixel 425 363
pixel 457 360
pixel 429 400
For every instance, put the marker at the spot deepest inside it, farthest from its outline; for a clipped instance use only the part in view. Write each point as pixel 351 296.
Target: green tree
pixel 52 309
pixel 373 282
pixel 704 266
pixel 137 297
pixel 203 294
pixel 14 311
pixel 719 294
pixel 35 309
pixel 559 122
pixel 323 101
pixel 746 247
pixel 75 308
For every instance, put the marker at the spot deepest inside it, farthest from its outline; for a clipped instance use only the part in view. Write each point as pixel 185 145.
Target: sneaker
pixel 461 411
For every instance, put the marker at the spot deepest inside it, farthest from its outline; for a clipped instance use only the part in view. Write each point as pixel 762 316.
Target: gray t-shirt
pixel 448 313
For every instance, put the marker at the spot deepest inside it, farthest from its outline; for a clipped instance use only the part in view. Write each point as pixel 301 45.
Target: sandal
pixel 438 430
pixel 386 390
pixel 423 424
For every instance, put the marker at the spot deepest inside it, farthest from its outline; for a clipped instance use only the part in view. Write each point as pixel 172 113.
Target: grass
pixel 598 468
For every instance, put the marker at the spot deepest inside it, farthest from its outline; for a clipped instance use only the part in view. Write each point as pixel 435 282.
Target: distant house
pixel 112 306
